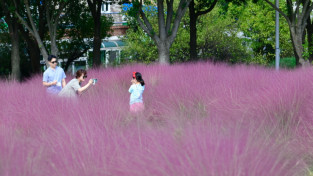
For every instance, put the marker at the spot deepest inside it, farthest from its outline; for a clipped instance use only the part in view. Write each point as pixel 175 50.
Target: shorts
pixel 137 107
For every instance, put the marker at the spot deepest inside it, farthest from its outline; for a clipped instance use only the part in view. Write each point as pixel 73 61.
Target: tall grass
pixel 200 119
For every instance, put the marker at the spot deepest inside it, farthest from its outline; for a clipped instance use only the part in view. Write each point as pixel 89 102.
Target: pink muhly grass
pixel 200 119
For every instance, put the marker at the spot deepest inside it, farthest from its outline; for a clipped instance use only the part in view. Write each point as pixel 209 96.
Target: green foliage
pixel 257 22
pixel 257 59
pixel 132 12
pixel 79 29
pixel 140 47
pixel 307 50
pixel 5 61
pixel 5 48
pixel 4 34
pixel 201 5
pixel 286 63
pixel 179 52
pixel 218 39
pixel 3 26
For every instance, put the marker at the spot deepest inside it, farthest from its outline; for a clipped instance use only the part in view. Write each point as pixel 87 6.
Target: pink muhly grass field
pixel 200 119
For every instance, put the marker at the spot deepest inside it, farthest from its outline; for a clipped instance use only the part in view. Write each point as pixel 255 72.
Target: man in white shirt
pixel 54 76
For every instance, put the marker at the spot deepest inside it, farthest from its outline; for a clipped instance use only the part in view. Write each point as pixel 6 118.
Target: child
pixel 136 90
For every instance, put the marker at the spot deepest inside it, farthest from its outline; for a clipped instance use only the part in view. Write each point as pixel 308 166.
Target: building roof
pixel 111 44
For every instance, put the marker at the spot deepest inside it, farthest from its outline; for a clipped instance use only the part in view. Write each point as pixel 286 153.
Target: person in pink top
pixel 136 90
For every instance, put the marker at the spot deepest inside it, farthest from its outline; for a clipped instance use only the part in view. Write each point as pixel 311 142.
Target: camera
pixel 94 81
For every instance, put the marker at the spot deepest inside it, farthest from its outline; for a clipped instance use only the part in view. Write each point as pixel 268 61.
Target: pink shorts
pixel 137 107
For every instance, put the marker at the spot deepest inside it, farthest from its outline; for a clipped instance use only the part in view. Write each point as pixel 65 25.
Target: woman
pixel 73 88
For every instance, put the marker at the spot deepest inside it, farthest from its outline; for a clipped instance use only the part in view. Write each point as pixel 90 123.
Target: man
pixel 54 76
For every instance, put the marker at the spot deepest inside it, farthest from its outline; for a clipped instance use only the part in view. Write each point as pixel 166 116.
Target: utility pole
pixel 277 50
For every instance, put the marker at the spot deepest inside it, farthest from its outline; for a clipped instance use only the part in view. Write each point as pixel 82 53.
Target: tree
pixel 53 10
pixel 217 40
pixel 140 47
pixel 297 15
pixel 167 25
pixel 32 49
pixel 256 23
pixel 197 8
pixel 79 31
pixel 95 8
pixel 14 36
pixel 38 11
pixel 309 32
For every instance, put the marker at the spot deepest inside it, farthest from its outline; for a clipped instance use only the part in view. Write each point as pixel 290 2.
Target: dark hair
pixel 139 78
pixel 80 72
pixel 50 57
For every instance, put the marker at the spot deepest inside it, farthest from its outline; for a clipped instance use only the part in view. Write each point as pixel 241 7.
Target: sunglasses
pixel 85 77
pixel 54 62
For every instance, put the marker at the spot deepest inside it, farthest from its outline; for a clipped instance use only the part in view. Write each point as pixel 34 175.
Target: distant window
pixel 105 7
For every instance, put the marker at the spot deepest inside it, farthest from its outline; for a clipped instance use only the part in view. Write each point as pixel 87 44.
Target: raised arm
pixel 82 89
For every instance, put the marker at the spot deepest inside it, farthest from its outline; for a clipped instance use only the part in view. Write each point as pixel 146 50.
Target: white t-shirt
pixel 136 91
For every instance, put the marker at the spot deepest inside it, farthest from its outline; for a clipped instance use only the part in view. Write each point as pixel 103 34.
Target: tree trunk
pixel 296 37
pixel 97 42
pixel 34 32
pixel 32 49
pixel 43 51
pixel 34 54
pixel 14 36
pixel 54 46
pixel 15 56
pixel 95 9
pixel 164 52
pixel 167 28
pixel 309 29
pixel 296 17
pixel 193 31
